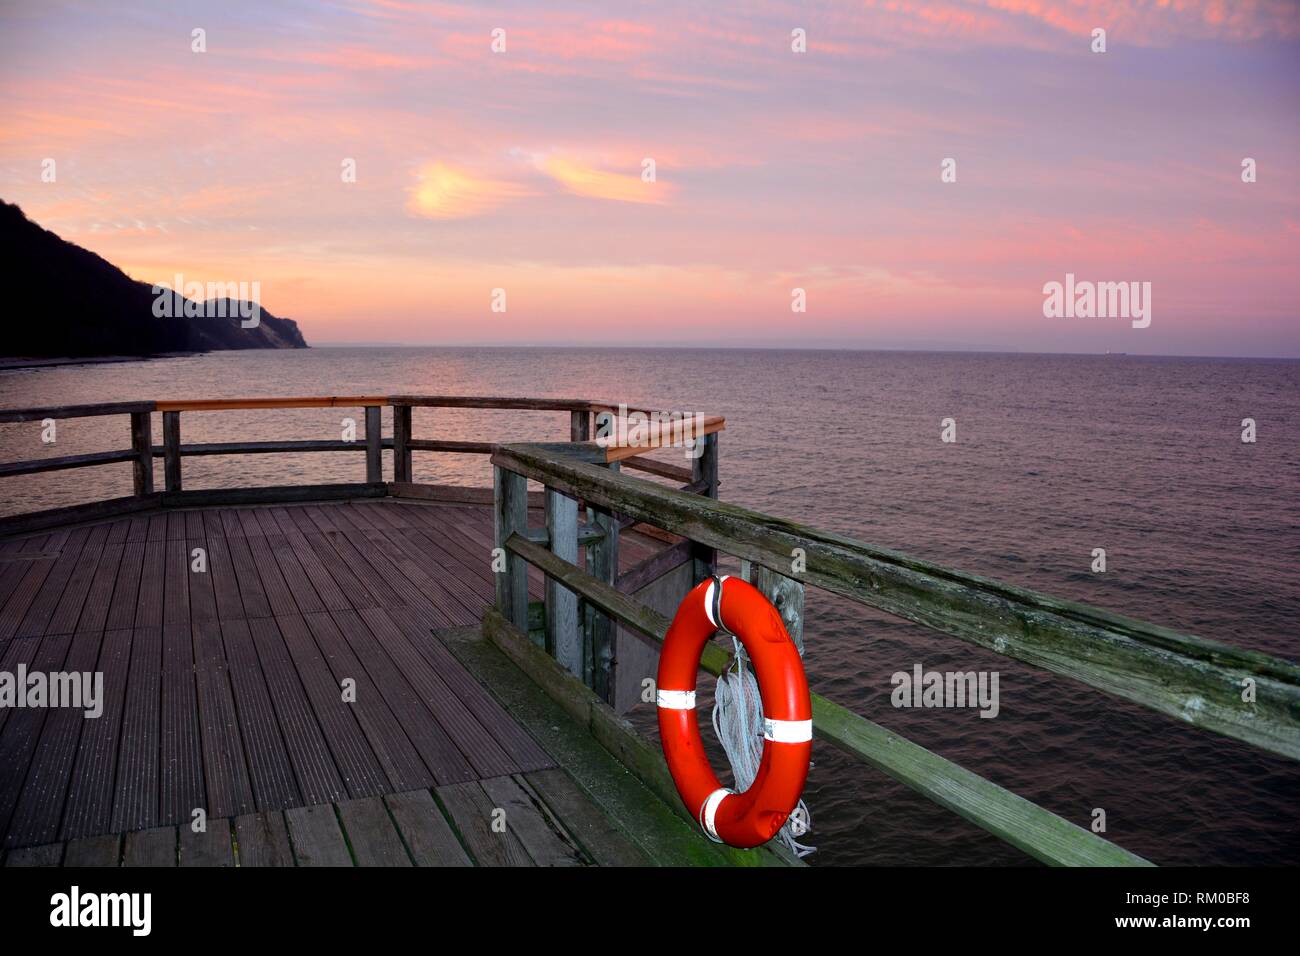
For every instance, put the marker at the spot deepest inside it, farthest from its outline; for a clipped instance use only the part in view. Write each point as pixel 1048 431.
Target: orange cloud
pixel 586 180
pixel 448 192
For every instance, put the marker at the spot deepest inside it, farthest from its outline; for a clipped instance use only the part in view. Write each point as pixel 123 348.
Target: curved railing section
pixel 585 418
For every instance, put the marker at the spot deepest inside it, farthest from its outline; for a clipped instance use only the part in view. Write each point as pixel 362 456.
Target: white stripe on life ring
pixel 675 699
pixel 708 600
pixel 787 731
pixel 709 812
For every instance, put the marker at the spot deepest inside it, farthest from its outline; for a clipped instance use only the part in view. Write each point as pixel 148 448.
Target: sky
pixel 524 168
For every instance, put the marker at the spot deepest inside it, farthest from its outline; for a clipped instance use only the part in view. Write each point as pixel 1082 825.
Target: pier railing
pixel 142 452
pixel 588 498
pixel 1236 693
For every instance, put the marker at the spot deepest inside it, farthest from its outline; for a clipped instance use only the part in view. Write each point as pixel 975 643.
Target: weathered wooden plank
pixel 171 421
pixel 458 727
pixel 316 837
pixel 135 799
pixel 313 765
pixel 297 579
pixel 1190 678
pixel 402 764
pixel 41 611
pixel 213 497
pixel 374 446
pixel 142 443
pixel 402 443
pixel 55 517
pixel 371 834
pixel 262 839
pixel 97 851
pixel 651 569
pixel 149 603
pixel 598 835
pixel 487 835
pixel 40 803
pixel 786 595
pixel 209 847
pixel 408 703
pixel 225 579
pixel 275 589
pixel 353 757
pixel 94 612
pixel 510 512
pixel 176 582
pixel 156 847
pixel 252 595
pixel 68 610
pixel 526 819
pixel 42 856
pixel 563 636
pixel 270 770
pixel 202 589
pixel 40 412
pixel 181 785
pixel 427 835
pixel 225 771
pixel 519 745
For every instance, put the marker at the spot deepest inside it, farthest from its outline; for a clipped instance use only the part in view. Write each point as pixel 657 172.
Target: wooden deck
pixel 223 693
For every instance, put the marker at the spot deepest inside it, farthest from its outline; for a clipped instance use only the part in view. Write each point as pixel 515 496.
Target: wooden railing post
pixel 142 445
pixel 171 422
pixel 786 595
pixel 374 444
pixel 563 637
pixel 510 515
pixel 704 472
pixel 580 426
pixel 402 443
pixel 599 627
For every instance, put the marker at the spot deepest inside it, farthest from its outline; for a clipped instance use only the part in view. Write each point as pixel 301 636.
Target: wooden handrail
pixel 1192 679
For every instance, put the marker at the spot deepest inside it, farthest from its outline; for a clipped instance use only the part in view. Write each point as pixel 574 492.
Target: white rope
pixel 738 722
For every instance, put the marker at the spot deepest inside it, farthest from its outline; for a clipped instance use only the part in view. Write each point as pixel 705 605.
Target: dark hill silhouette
pixel 64 300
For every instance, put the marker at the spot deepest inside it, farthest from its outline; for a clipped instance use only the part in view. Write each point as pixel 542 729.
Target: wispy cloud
pixel 450 192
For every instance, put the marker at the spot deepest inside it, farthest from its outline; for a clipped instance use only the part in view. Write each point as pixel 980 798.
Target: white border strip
pixel 787 731
pixel 709 812
pixel 675 699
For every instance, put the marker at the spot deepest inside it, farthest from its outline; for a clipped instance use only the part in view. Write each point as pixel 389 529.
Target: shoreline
pixel 12 364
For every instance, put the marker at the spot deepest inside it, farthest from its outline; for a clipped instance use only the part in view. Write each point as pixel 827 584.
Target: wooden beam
pixel 658 435
pixel 1025 825
pixel 402 443
pixel 656 566
pixel 43 412
pixel 172 450
pixel 142 442
pixel 71 514
pixel 510 516
pixel 274 494
pixel 786 595
pixel 599 627
pixel 704 471
pixel 563 637
pixel 1195 680
pixel 374 446
pixel 452 447
pixel 660 468
pixel 37 465
pixel 300 401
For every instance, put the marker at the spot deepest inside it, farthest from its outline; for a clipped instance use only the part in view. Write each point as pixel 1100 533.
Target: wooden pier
pixel 393 673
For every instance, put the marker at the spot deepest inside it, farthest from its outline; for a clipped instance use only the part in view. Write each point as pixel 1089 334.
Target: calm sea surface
pixel 1055 456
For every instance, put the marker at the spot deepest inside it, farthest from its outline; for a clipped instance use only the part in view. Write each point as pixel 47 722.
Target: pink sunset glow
pixel 774 170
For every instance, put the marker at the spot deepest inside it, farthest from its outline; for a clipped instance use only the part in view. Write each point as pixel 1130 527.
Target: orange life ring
pixel 751 818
